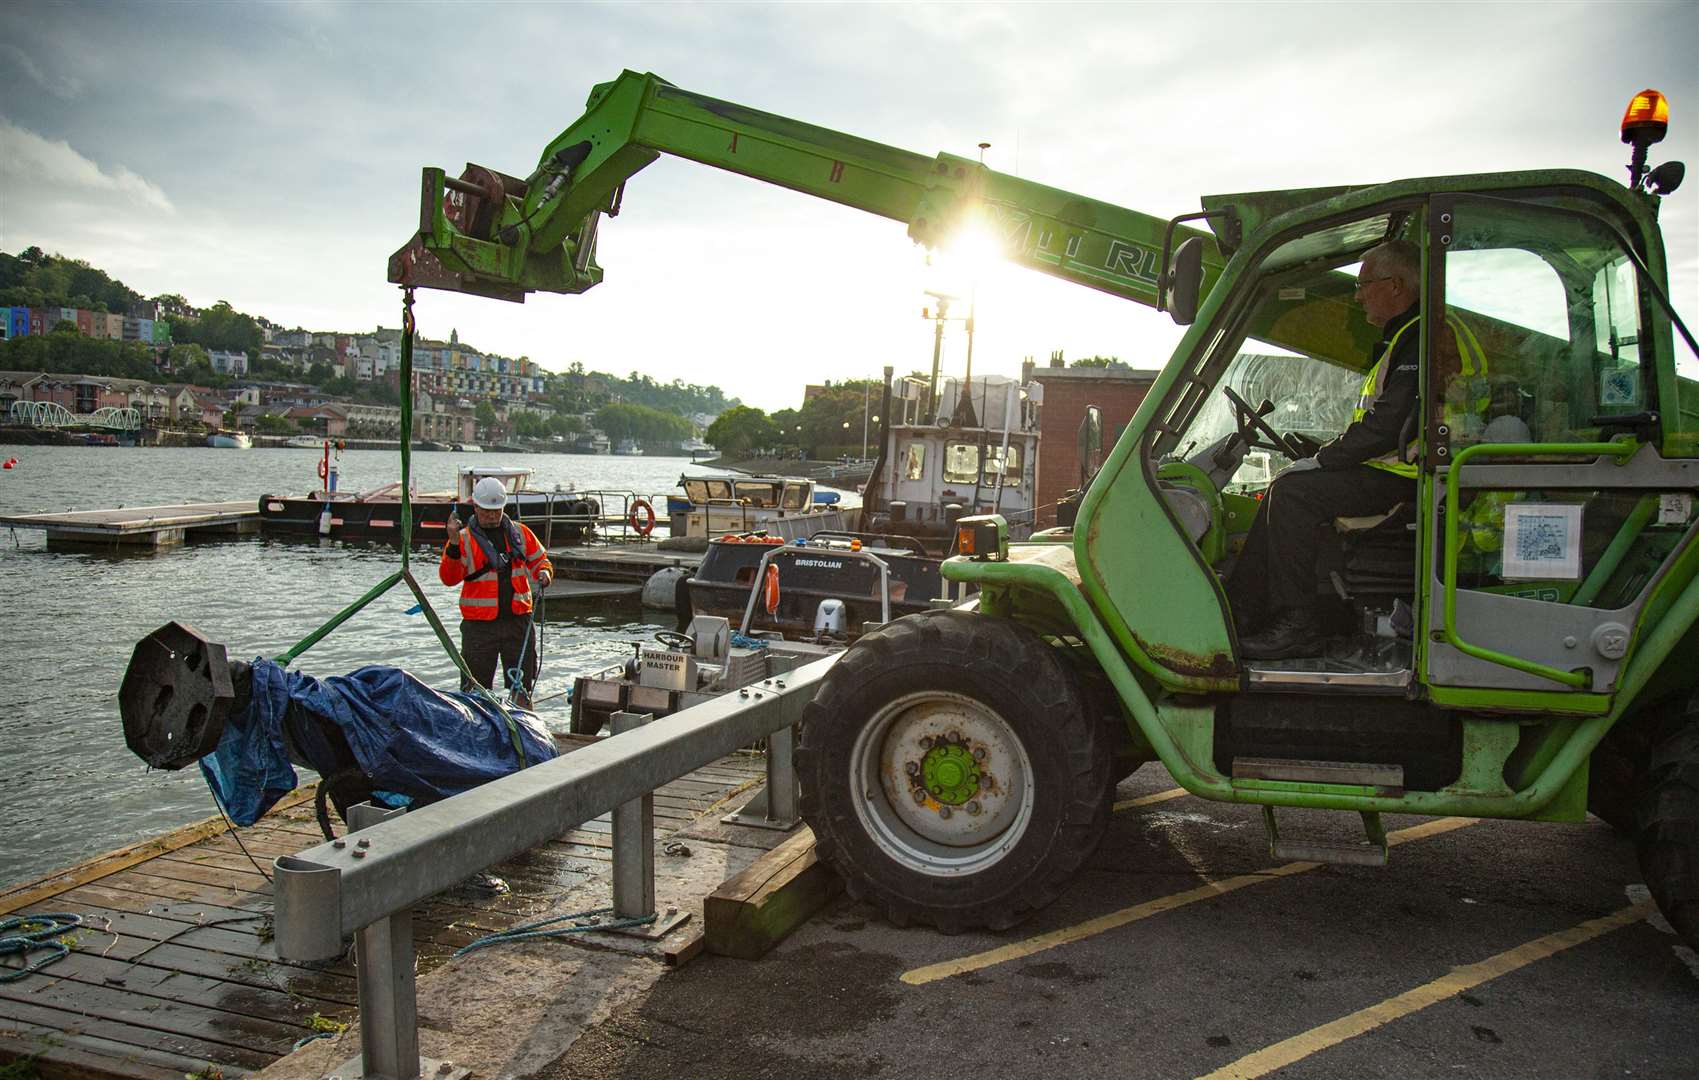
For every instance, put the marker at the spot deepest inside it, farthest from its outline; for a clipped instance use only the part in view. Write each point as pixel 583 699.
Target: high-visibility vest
pixel 476 571
pixel 1472 374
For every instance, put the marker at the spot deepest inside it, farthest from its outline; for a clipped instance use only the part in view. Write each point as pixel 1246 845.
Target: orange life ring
pixel 770 590
pixel 644 524
pixel 324 469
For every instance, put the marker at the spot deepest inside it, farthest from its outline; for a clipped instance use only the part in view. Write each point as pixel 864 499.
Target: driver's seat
pixel 1380 554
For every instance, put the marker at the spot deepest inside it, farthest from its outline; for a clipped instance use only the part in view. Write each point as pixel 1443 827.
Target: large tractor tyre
pixel 952 773
pixel 1669 824
pixel 1619 761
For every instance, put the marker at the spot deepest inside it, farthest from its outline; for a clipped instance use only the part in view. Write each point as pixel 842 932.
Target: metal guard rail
pixel 366 885
pixel 1453 484
pixel 326 893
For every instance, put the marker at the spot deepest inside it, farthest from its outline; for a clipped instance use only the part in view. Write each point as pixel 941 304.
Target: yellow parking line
pixel 1146 800
pixel 1298 1047
pixel 1092 927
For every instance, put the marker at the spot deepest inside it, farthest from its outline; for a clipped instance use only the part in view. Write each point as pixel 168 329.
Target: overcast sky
pixel 269 154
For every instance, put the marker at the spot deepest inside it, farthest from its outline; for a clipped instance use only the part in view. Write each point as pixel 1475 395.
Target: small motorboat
pixel 229 440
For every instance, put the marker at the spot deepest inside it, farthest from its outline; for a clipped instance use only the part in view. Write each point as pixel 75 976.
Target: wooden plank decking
pixel 149 525
pixel 175 970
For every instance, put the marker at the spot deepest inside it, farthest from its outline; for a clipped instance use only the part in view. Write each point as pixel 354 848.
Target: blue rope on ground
pixel 314 1037
pixel 528 931
pixel 744 641
pixel 49 925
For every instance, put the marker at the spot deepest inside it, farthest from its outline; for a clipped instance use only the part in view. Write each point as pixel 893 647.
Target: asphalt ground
pixel 1486 949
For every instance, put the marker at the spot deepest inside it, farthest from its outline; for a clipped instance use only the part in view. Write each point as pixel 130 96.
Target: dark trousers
pixel 495 644
pixel 1277 569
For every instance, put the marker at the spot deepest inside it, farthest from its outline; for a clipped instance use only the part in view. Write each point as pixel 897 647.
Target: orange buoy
pixel 770 590
pixel 11 463
pixel 644 522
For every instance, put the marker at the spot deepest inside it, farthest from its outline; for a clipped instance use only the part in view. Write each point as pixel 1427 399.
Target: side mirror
pixel 1183 281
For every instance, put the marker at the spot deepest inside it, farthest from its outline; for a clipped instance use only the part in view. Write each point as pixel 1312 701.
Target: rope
pixel 49 925
pixel 744 641
pixel 532 930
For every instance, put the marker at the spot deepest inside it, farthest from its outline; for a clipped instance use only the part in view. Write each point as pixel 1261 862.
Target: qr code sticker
pixel 1619 386
pixel 1542 540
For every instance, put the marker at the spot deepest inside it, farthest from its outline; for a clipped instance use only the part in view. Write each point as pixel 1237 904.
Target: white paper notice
pixel 1542 541
pixel 1674 507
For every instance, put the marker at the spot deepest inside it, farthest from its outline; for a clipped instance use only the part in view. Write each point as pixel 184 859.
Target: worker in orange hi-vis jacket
pixel 501 569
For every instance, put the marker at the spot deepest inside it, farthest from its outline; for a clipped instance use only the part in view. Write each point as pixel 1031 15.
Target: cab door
pixel 1552 514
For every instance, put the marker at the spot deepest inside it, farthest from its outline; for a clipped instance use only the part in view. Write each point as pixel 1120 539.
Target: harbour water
pixel 69 789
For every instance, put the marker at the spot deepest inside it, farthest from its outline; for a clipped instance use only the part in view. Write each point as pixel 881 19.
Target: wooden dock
pixel 174 970
pixel 145 526
pixel 620 563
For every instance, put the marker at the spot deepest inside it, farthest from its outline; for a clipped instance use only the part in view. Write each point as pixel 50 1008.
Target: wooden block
pixel 754 911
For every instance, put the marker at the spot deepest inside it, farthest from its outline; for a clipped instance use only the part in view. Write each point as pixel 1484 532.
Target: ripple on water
pixel 69 788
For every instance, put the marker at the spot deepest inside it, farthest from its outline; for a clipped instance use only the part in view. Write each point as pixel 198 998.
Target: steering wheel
pixel 1251 425
pixel 675 640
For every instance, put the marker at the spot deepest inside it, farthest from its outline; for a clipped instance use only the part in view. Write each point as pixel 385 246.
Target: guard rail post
pixel 383 967
pixel 634 840
pixel 775 805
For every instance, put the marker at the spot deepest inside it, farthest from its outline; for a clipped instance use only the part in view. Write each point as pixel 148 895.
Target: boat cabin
pixel 733 503
pixel 953 458
pixel 514 478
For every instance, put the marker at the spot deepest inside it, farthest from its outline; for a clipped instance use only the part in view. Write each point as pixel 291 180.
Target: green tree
pixel 1094 362
pixel 485 414
pixel 742 428
pixel 622 420
pixel 272 424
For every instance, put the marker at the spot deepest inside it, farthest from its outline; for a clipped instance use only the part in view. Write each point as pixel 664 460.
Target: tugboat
pixel 557 517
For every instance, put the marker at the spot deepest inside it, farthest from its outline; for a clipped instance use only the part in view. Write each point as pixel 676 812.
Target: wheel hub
pixel 947 787
pixel 950 774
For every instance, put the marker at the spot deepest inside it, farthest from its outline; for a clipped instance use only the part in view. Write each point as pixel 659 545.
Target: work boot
pixel 1293 633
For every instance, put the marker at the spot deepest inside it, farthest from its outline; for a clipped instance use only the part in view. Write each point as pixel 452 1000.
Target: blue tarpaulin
pixel 407 738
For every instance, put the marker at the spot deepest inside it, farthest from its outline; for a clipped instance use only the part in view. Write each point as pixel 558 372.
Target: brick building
pixel 1117 391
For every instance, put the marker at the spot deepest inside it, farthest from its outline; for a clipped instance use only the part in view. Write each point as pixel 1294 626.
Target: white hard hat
pixel 489 494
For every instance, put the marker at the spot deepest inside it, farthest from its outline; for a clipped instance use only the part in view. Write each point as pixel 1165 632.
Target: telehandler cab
pixel 1518 640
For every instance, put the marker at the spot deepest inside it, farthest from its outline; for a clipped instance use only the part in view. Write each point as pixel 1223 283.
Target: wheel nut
pixel 972 807
pixel 912 768
pixel 919 795
pixel 979 753
pixel 926 742
pixel 944 812
pixel 956 737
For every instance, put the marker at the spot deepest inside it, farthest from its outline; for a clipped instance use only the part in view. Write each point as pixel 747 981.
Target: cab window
pixel 961 463
pixel 996 464
pixel 1545 310
pixel 796 497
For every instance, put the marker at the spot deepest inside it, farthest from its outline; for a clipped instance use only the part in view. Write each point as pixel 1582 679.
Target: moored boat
pixel 783 506
pixel 829 585
pixel 561 516
pixel 229 440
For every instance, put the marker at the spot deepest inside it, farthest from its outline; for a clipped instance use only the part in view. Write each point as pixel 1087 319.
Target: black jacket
pixel 1380 428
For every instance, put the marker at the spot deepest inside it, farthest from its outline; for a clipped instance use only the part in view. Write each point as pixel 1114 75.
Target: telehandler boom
pixel 1518 639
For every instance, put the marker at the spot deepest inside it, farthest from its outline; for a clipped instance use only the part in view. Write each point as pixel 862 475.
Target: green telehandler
pixel 1519 639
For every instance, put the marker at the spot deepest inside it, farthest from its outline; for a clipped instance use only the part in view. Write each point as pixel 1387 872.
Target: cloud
pixel 53 172
pixel 64 87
